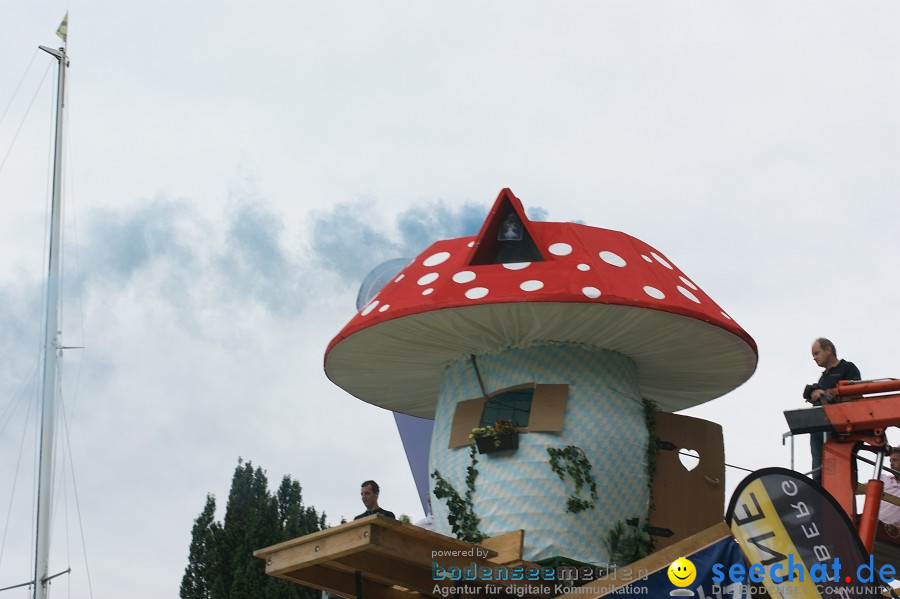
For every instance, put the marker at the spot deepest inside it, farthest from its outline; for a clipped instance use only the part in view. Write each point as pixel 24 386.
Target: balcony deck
pixel 381 558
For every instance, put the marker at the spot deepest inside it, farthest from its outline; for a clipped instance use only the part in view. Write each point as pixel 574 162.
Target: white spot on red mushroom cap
pixel 532 285
pixel 369 308
pixel 654 292
pixel 427 291
pixel 612 258
pixel 435 259
pixel 516 265
pixel 591 292
pixel 661 260
pixel 560 249
pixel 384 307
pixel 584 267
pixel 400 278
pixel 465 276
pixel 687 294
pixel 471 244
pixel 427 279
pixel 476 293
pixel 688 283
pixel 647 258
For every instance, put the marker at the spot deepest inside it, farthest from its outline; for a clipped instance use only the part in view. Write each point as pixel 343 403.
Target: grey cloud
pixel 254 263
pixel 195 262
pixel 352 239
pixel 421 226
pixel 536 213
pixel 199 264
pixel 349 241
pixel 124 241
pixel 20 328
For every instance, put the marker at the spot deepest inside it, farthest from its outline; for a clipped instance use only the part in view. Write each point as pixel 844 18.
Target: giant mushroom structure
pixel 565 329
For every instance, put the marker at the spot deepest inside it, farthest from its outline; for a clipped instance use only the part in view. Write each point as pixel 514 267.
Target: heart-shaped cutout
pixel 690 459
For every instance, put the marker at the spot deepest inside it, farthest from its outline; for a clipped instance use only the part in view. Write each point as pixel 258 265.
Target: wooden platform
pixel 382 558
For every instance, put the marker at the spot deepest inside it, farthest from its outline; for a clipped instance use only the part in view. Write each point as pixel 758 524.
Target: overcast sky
pixel 235 169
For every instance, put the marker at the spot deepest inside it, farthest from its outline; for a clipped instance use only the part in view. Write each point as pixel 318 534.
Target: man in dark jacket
pixel 368 492
pixel 825 355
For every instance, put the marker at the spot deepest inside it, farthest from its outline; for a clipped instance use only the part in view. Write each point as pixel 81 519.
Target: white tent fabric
pixel 680 361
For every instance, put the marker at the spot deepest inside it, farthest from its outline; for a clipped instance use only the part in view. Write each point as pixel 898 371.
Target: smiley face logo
pixel 682 572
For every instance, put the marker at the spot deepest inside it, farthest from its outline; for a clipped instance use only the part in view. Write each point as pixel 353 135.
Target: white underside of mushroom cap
pixel 681 361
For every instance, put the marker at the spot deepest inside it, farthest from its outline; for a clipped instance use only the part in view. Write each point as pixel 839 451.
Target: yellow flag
pixel 63 29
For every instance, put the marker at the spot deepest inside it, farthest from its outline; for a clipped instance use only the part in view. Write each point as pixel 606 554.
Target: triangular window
pixel 504 237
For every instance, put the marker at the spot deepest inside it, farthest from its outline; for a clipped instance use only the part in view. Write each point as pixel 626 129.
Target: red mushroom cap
pixel 593 287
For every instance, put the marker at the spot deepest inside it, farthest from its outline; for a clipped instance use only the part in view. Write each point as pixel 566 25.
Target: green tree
pixel 201 555
pixel 220 561
pixel 248 526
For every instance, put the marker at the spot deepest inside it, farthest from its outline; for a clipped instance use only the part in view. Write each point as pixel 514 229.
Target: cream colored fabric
pixel 681 362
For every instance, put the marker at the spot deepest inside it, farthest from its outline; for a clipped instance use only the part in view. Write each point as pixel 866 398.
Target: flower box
pixel 504 442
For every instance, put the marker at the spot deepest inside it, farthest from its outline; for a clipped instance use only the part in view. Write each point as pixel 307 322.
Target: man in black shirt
pixel 825 355
pixel 368 492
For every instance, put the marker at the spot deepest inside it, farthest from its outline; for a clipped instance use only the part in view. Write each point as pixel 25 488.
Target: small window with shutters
pixel 534 407
pixel 513 405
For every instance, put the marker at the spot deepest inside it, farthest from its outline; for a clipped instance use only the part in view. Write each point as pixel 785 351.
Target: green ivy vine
pixel 572 460
pixel 462 518
pixel 628 541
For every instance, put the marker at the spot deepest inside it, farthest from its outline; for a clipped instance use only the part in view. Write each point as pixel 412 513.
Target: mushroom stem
pixel 603 417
